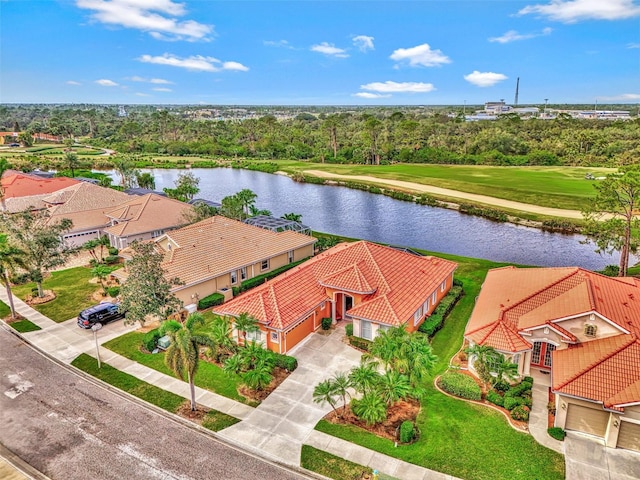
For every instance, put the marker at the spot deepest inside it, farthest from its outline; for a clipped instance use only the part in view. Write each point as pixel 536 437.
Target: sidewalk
pixel 538 418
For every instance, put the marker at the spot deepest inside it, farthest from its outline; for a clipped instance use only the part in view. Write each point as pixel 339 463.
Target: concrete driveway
pixel 281 423
pixel 586 458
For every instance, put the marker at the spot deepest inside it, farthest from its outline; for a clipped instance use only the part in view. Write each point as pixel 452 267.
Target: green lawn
pixel 73 292
pixel 330 465
pixel 24 326
pixel 459 438
pixel 168 401
pixel 209 376
pixel 5 311
pixel 557 187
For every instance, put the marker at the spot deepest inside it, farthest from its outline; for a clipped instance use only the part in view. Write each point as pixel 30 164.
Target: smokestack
pixel 515 103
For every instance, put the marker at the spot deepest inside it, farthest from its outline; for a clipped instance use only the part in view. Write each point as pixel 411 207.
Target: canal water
pixel 358 214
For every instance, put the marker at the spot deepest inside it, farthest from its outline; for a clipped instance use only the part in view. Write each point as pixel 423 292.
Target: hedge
pixel 495 398
pixel 460 385
pixel 211 301
pixel 286 362
pixel 260 279
pixel 434 322
pixel 361 343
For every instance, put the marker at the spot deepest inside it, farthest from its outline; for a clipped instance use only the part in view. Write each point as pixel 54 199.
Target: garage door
pixel 629 436
pixel 299 332
pixel 587 420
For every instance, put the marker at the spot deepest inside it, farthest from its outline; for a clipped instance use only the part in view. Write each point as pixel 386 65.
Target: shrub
pixel 512 402
pixel 326 323
pixel 557 433
pixel 150 339
pixel 260 279
pixel 528 380
pixel 348 328
pixel 460 385
pixel 111 259
pixel 113 291
pixel 407 432
pixel 521 412
pixel 286 362
pixel 495 398
pixel 113 251
pixel 20 278
pixel 502 386
pixel 361 343
pixel 211 300
pixel 434 322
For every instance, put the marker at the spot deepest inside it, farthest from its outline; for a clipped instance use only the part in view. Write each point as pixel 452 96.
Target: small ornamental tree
pixel 147 292
pixel 10 259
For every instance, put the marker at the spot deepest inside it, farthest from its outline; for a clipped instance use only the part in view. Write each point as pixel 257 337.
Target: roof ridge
pixel 377 267
pixel 597 362
pixel 573 271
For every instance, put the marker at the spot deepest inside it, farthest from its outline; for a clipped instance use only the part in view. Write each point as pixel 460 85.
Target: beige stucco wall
pixel 79 238
pixel 576 326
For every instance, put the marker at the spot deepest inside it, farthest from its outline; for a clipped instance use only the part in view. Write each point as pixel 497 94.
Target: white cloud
pixel 73 82
pixel 330 50
pixel 398 87
pixel 370 95
pixel 422 55
pixel 571 11
pixel 363 42
pixel 633 45
pixel 140 94
pixel 157 81
pixel 625 97
pixel 197 63
pixel 162 89
pixel 484 79
pixel 514 36
pixel 106 83
pixel 277 43
pixel 157 17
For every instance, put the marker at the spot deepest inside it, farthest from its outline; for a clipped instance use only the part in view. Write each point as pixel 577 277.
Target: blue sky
pixel 319 53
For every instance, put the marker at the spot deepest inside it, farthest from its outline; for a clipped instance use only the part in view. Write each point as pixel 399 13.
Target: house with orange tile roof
pixel 374 286
pixel 22 191
pixel 219 253
pixel 582 328
pixel 144 217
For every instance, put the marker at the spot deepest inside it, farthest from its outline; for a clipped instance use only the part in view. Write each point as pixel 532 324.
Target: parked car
pixel 14 144
pixel 101 313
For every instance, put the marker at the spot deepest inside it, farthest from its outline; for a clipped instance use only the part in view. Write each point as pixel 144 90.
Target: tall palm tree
pixel 364 377
pixel 247 199
pixel 393 386
pixel 246 323
pixel 325 392
pixel 182 355
pixel 341 384
pixel 10 258
pixel 504 369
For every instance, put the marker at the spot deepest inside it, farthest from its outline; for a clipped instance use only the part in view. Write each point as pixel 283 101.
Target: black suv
pixel 101 313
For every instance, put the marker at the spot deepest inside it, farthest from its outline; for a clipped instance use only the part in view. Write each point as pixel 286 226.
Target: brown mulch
pixel 36 300
pixel 396 414
pixel 551 418
pixel 279 376
pixel 10 320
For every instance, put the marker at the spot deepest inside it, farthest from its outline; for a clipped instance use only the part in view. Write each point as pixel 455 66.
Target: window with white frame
pixel 425 306
pixel 234 277
pixel 274 337
pixel 243 273
pixel 443 285
pixel 264 265
pixel 365 330
pixel 417 316
pixel 254 336
pixel 590 330
pixel 434 298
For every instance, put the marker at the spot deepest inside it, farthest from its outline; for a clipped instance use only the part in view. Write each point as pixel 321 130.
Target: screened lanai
pixel 277 224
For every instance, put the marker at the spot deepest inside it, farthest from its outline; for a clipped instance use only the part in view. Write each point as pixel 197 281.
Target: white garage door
pixel 587 420
pixel 629 436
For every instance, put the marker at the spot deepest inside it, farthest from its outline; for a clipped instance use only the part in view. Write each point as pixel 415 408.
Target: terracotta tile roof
pixel 84 204
pixel 531 297
pixel 217 245
pixel 500 336
pixel 605 370
pixel 147 213
pixel 24 185
pixel 401 282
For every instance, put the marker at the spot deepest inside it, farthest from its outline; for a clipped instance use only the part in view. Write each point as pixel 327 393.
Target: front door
pixel 541 354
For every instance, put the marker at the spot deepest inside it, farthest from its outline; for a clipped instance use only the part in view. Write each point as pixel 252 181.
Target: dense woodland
pixel 365 135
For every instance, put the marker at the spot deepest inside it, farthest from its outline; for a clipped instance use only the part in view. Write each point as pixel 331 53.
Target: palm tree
pixel 246 323
pixel 182 355
pixel 222 335
pixel 259 376
pixel 146 180
pixel 102 272
pixel 504 369
pixel 370 408
pixel 364 377
pixel 294 217
pixel 341 384
pixel 10 258
pixel 325 392
pixel 71 158
pixel 393 386
pixel 247 199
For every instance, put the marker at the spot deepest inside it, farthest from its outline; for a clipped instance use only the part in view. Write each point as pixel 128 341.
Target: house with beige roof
pixel 218 253
pixel 374 286
pixel 580 327
pixel 144 217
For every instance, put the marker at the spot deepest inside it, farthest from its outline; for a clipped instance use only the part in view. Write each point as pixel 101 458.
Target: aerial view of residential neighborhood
pixel 324 239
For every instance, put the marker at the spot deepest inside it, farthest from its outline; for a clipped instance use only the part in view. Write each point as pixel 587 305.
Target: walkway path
pixel 277 428
pixel 421 188
pixel 539 416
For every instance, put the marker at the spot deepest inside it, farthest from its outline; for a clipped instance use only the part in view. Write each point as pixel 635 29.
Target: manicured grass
pixel 557 187
pixel 73 293
pixel 24 326
pixel 209 376
pixel 459 438
pixel 5 311
pixel 216 421
pixel 330 465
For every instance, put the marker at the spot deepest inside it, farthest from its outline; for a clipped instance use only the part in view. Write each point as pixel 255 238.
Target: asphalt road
pixel 69 428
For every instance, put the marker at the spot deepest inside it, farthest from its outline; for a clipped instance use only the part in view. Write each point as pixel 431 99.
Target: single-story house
pixel 23 191
pixel 374 286
pixel 582 328
pixel 218 253
pixel 144 217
